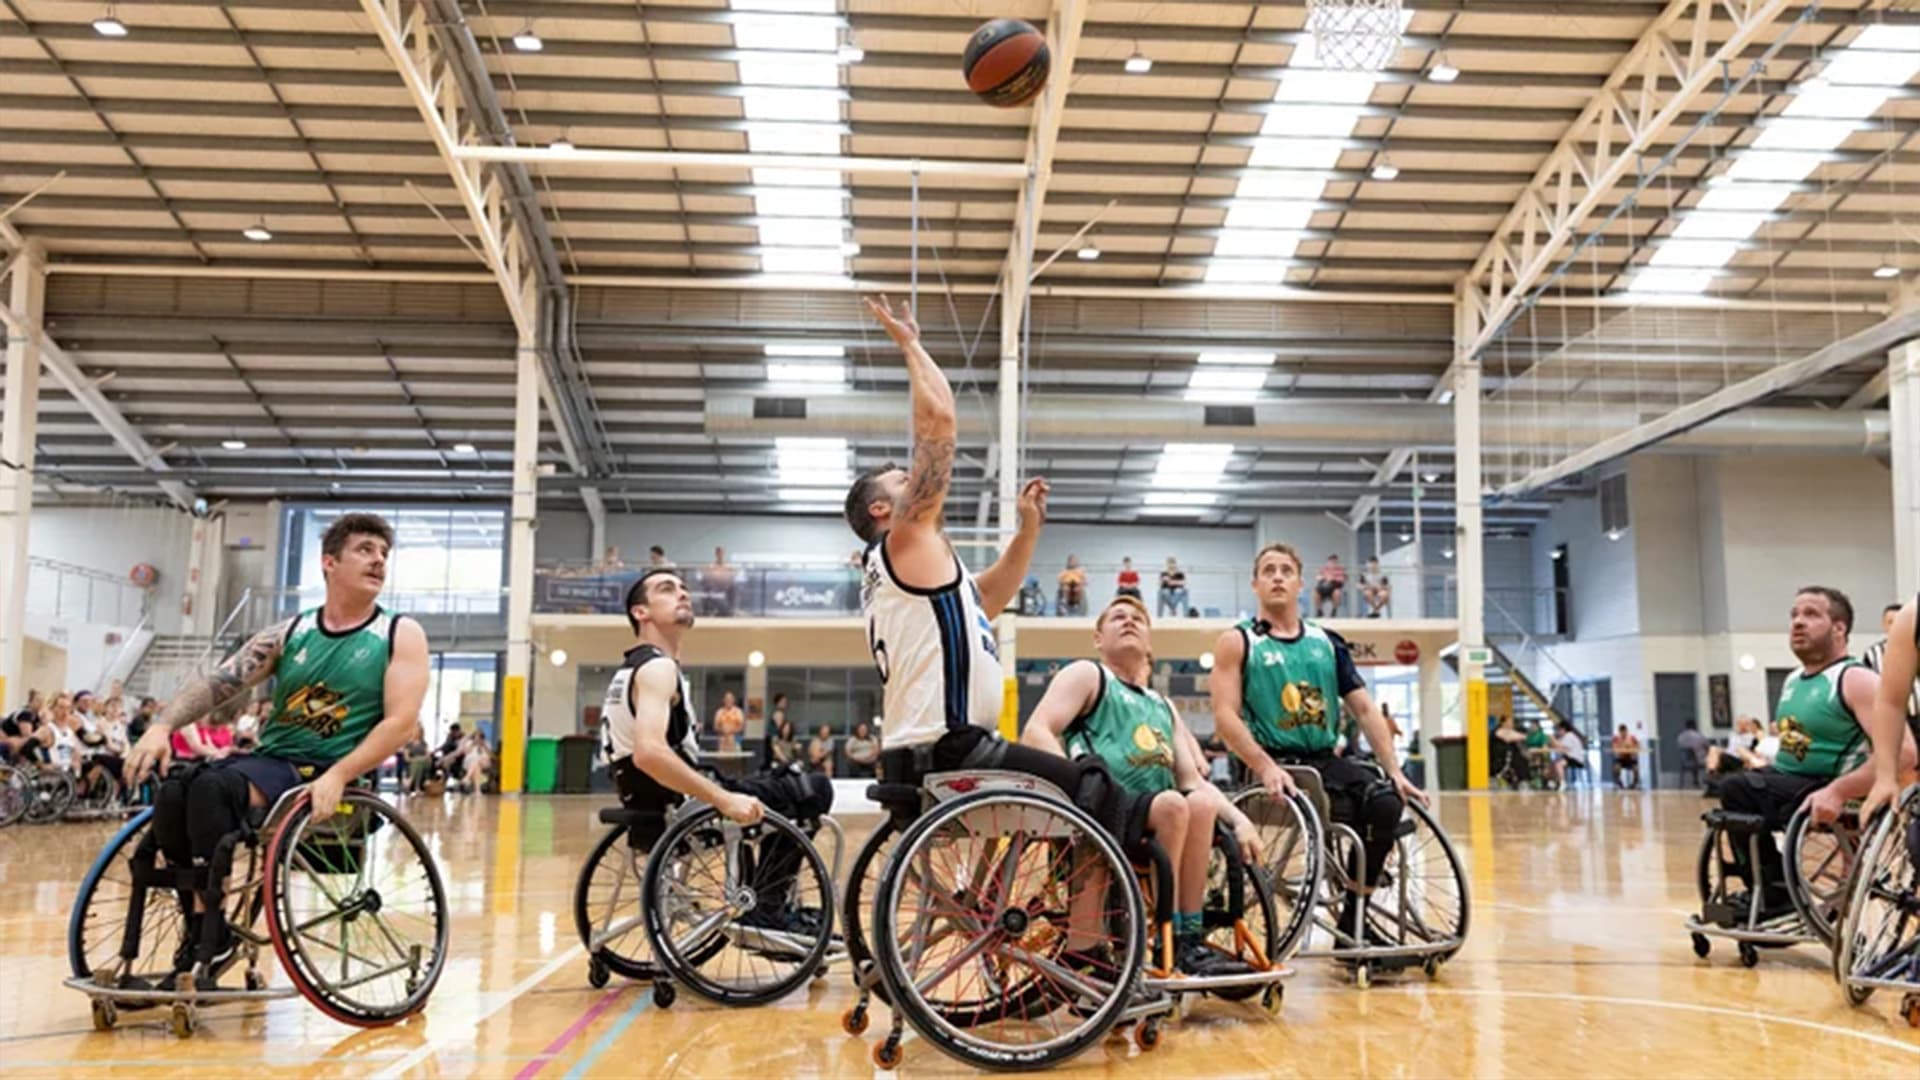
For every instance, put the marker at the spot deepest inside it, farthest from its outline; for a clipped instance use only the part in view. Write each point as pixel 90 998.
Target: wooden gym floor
pixel 1577 965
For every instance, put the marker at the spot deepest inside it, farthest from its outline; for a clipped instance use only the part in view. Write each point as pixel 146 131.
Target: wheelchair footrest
pixel 1200 984
pixel 166 995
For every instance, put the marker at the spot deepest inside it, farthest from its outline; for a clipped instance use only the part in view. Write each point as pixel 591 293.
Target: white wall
pixel 112 540
pixel 1793 521
pixel 1605 594
pixel 90 648
pixel 1665 510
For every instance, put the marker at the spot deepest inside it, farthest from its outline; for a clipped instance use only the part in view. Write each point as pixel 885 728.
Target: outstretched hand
pixel 898 322
pixel 1033 503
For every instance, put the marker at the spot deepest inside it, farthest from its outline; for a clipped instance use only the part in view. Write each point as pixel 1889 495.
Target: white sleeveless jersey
pixel 617 718
pixel 935 651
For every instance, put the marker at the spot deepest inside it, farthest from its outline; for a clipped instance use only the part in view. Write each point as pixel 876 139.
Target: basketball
pixel 1006 63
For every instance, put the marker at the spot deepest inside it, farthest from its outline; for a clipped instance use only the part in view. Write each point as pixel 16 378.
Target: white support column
pixel 526 480
pixel 1467 539
pixel 201 591
pixel 1903 449
pixel 597 519
pixel 17 433
pixel 1013 309
pixel 1432 705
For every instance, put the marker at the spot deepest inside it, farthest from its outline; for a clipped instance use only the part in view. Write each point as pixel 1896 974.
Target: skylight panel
pixel 801 202
pixel 790 103
pixel 789 69
pixel 804 372
pixel 1695 253
pixel 791 33
pixel 1180 498
pixel 793 138
pixel 817 232
pixel 803 261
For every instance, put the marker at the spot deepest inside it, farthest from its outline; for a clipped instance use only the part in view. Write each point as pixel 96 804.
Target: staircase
pixel 1530 704
pixel 170 661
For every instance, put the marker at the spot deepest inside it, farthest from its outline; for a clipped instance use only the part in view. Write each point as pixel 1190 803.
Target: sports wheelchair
pixel 1818 861
pixel 1012 931
pixel 1878 939
pixel 354 910
pixel 740 915
pixel 1418 914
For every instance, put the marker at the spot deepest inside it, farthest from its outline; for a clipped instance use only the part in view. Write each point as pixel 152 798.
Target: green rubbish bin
pixel 543 760
pixel 576 764
pixel 1450 756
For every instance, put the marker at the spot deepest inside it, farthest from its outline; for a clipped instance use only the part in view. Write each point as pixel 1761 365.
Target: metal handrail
pixel 125 644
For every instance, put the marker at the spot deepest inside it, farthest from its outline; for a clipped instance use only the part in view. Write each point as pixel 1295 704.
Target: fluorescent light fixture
pixel 1888 271
pixel 803 261
pixel 1139 63
pixel 790 104
pixel 1446 397
pixel 816 351
pixel 1228 379
pixel 528 41
pixel 562 144
pixel 1223 356
pixel 233 444
pixel 1446 553
pixel 807 373
pixel 1087 254
pixel 1430 477
pixel 1384 171
pixel 781 138
pixel 1181 498
pixel 108 26
pixel 257 232
pixel 850 54
pixel 813 232
pixel 1443 72
pixel 1614 534
pixel 463 448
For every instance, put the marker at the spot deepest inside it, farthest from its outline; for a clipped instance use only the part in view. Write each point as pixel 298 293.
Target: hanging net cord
pixel 1354 35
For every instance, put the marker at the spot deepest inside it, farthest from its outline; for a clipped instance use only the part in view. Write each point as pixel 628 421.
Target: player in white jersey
pixel 647 723
pixel 929 621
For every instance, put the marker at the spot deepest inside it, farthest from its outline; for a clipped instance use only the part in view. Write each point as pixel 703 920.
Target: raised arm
pixel 1885 719
pixel 1224 686
pixel 247 668
pixel 653 687
pixel 1000 583
pixel 402 692
pixel 1072 692
pixel 914 541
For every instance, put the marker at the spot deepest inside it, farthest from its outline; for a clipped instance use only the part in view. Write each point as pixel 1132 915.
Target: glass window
pixel 445 561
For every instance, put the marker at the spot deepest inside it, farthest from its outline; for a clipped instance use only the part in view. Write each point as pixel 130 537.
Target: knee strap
pixel 1732 821
pixel 217 804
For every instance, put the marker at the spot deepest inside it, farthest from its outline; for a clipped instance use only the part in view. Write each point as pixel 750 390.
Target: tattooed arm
pixel 914 543
pixel 247 668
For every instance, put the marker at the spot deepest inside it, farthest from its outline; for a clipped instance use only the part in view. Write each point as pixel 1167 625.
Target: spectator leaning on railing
pixel 1173 589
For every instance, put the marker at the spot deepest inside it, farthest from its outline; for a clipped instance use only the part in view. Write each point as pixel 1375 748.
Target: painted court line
pixel 1682 1006
pixel 433 1046
pixel 605 1042
pixel 566 1037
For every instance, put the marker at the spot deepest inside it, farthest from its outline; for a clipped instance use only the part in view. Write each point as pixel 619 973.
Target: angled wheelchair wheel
pixel 48 795
pixel 606 907
pixel 16 794
pixel 1293 854
pixel 738 915
pixel 1257 925
pixel 97 926
pixel 861 881
pixel 982 896
pixel 1422 896
pixel 1819 862
pixel 356 910
pixel 1879 938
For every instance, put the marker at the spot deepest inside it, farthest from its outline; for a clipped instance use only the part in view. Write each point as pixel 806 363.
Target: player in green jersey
pixel 1279 682
pixel 349 680
pixel 1106 709
pixel 1823 740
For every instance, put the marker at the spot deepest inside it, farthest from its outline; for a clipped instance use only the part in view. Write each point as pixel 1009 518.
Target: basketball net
pixel 1354 35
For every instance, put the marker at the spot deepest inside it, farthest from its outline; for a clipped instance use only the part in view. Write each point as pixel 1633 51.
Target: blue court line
pixel 605 1042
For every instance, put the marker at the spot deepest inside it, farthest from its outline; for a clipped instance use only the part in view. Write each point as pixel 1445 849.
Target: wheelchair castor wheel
pixel 663 994
pixel 888 1055
pixel 1362 977
pixel 1272 998
pixel 597 973
pixel 854 1020
pixel 1910 1008
pixel 105 1014
pixel 1431 965
pixel 1749 956
pixel 183 1020
pixel 256 980
pixel 1147 1035
pixel 1701 946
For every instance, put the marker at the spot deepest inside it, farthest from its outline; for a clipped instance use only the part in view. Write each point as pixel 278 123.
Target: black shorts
pixel 271 776
pixel 802 797
pixel 1324 589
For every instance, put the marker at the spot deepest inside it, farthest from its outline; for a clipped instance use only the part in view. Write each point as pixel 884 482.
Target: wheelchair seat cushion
pixel 620 815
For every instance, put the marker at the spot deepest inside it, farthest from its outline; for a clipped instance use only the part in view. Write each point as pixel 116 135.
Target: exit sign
pixel 1482 656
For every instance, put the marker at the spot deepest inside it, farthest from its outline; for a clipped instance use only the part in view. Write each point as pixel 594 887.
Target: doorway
pixel 1562 591
pixel 1676 706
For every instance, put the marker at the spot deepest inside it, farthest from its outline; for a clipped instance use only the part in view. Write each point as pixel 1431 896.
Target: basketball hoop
pixel 1354 35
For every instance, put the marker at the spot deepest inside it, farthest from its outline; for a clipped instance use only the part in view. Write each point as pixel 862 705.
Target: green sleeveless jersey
pixel 1290 690
pixel 1131 729
pixel 329 688
pixel 1819 735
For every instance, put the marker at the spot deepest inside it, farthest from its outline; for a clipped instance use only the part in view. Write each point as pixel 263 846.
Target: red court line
pixel 573 1032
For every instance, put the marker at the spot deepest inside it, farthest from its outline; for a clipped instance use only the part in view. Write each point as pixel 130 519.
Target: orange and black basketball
pixel 1006 63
